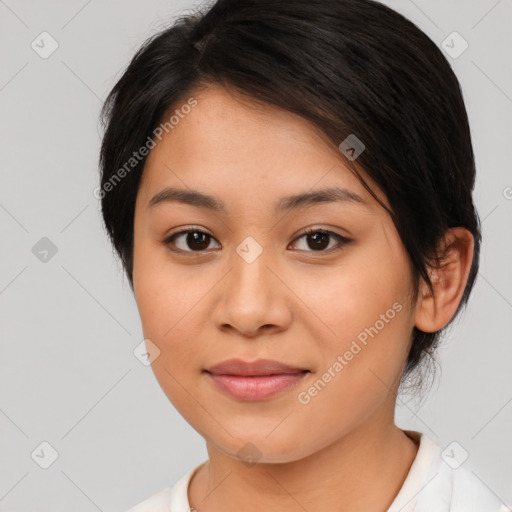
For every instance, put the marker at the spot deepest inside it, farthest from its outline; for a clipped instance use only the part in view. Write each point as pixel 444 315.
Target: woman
pixel 288 186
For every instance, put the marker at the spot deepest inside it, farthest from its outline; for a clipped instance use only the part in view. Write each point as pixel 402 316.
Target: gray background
pixel 69 325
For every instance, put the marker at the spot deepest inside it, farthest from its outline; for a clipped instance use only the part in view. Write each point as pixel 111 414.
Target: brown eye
pixel 197 241
pixel 190 240
pixel 317 240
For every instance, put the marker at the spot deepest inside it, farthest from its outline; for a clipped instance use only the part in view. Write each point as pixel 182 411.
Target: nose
pixel 252 299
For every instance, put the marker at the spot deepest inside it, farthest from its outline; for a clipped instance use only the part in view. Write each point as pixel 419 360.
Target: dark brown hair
pixel 349 67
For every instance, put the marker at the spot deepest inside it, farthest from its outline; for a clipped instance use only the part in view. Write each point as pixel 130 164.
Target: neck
pixel 336 477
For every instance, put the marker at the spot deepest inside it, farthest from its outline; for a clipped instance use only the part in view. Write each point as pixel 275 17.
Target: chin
pixel 258 449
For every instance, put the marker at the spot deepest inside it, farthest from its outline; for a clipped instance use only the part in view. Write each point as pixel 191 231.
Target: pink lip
pixel 255 388
pixel 255 380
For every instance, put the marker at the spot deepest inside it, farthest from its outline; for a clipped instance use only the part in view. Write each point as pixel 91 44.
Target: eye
pixel 195 239
pixel 319 239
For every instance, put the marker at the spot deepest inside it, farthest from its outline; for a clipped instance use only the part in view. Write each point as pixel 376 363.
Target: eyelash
pixel 342 241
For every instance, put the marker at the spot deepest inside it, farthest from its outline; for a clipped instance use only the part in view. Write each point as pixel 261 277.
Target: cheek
pixel 162 291
pixel 346 300
pixel 173 311
pixel 361 364
pixel 169 305
pixel 362 317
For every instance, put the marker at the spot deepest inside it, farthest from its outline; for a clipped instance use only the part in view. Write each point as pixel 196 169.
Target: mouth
pixel 252 381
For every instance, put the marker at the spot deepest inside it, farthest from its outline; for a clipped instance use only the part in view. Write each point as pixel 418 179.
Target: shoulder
pixel 470 493
pixel 169 499
pixel 159 502
pixel 438 482
pixel 457 490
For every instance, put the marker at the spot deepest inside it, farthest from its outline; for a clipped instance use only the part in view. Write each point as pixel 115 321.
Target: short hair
pixel 349 67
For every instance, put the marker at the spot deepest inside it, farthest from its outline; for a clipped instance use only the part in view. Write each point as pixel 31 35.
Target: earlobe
pixel 449 278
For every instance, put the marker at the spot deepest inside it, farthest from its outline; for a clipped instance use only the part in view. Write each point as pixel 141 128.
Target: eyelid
pixel 191 227
pixel 319 229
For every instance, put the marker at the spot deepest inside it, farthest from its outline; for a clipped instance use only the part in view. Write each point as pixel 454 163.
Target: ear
pixel 449 277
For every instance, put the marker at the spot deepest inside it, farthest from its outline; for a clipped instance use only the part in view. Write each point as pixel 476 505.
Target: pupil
pixel 195 238
pixel 319 244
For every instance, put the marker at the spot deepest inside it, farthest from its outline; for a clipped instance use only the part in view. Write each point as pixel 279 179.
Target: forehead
pixel 229 144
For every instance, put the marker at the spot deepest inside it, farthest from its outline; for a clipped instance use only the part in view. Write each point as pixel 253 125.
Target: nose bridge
pixel 250 275
pixel 251 295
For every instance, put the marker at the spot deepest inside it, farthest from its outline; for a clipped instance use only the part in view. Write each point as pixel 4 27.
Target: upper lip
pixel 258 367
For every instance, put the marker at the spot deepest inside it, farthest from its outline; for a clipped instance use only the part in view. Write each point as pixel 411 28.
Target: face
pixel 245 281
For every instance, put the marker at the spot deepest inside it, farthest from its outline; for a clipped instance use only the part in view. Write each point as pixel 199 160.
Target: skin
pixel 294 304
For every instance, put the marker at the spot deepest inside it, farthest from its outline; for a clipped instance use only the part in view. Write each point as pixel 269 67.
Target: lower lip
pixel 256 388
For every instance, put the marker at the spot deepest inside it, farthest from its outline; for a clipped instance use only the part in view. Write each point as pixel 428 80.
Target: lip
pixel 256 380
pixel 253 368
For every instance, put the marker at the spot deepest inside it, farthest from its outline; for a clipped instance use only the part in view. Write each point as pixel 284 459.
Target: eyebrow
pixel 294 202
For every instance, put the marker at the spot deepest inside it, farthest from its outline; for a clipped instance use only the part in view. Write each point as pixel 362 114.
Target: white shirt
pixel 432 485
